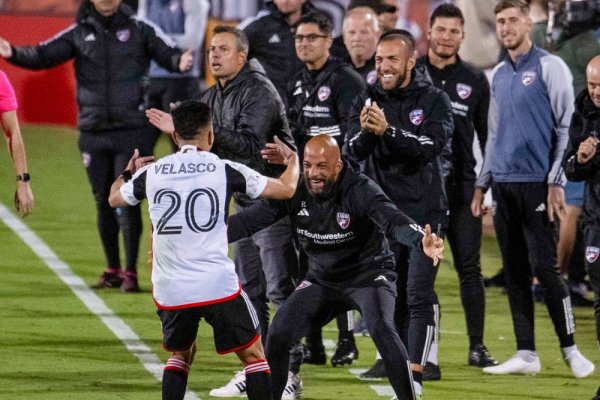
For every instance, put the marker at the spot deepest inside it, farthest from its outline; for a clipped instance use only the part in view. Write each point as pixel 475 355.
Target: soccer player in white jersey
pixel 188 196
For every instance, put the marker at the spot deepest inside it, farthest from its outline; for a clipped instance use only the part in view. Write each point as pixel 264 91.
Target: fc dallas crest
pixel 343 219
pixel 416 116
pixel 123 35
pixel 463 91
pixel 528 77
pixel 591 254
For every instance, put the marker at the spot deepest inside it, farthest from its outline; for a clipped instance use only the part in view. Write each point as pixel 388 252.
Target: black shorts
pixel 234 323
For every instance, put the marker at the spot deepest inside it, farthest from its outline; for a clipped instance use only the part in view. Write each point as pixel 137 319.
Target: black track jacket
pixel 585 123
pixel 342 235
pixel 319 101
pixel 109 66
pixel 405 161
pixel 469 93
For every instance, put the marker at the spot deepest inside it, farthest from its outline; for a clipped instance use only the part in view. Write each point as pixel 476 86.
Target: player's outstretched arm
pixel 283 187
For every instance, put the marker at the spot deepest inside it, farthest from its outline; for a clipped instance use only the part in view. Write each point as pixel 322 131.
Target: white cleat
pixel 515 365
pixel 580 366
pixel 236 387
pixel 293 387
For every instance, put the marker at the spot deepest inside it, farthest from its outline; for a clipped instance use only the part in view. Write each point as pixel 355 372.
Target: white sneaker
pixel 293 387
pixel 515 365
pixel 236 387
pixel 580 366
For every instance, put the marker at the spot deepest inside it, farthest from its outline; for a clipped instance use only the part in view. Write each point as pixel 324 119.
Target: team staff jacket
pixel 247 112
pixel 188 200
pixel 343 234
pixel 319 101
pixel 272 44
pixel 469 93
pixel 111 57
pixel 585 123
pixel 528 122
pixel 405 161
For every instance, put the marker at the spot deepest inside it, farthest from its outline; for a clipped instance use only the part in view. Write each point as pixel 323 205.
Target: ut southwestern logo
pixel 416 116
pixel 528 77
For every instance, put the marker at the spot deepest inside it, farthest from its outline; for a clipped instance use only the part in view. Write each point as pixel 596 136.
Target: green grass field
pixel 53 347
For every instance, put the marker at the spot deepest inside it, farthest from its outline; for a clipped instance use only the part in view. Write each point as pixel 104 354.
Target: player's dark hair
pixel 190 118
pixel 504 4
pixel 240 37
pixel 320 19
pixel 400 34
pixel 446 10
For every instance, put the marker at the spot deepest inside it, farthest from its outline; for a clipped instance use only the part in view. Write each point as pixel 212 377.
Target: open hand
pixel 277 152
pixel 186 60
pixel 161 120
pixel 5 49
pixel 433 246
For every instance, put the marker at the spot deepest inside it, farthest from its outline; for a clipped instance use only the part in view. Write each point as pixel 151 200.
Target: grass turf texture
pixel 53 348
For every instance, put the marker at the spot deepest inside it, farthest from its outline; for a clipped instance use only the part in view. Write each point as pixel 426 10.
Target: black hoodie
pixel 111 57
pixel 585 123
pixel 343 234
pixel 405 161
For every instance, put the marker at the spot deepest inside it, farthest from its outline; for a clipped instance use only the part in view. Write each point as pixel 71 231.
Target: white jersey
pixel 188 198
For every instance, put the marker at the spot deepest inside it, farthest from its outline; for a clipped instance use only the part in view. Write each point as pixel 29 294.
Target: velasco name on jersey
pixel 189 168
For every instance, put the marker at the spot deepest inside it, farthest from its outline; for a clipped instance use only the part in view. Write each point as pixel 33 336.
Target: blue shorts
pixel 574 193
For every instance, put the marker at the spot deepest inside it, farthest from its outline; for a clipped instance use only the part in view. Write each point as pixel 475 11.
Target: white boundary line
pixel 90 299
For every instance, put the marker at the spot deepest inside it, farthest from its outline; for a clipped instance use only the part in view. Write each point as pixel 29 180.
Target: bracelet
pixel 25 177
pixel 127 175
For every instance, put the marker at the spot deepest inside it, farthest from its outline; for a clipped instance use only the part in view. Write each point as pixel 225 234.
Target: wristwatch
pixel 127 175
pixel 25 177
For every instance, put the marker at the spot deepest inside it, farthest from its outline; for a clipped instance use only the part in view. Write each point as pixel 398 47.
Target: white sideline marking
pixel 90 299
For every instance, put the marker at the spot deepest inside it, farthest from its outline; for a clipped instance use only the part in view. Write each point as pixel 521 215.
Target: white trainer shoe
pixel 515 365
pixel 293 387
pixel 580 366
pixel 236 387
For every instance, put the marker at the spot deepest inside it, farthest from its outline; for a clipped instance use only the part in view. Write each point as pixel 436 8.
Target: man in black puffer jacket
pixel 112 52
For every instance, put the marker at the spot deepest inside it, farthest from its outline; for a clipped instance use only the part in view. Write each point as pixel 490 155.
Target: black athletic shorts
pixel 234 323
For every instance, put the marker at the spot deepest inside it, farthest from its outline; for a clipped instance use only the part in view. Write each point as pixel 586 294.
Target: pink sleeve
pixel 8 100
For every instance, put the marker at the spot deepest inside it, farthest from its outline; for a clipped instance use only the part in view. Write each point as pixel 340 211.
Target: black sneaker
pixel 597 396
pixel 314 354
pixel 108 280
pixel 345 352
pixel 432 372
pixel 376 373
pixel 479 356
